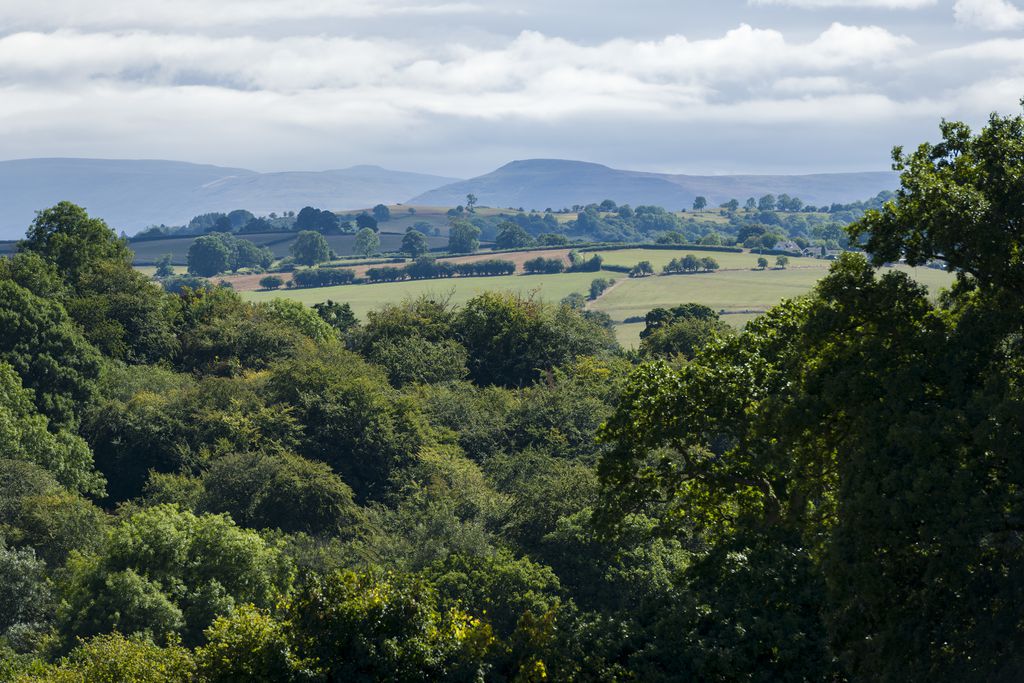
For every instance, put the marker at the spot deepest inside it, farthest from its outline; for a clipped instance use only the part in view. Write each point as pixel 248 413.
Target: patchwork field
pixel 739 290
pixel 147 252
pixel 726 260
pixel 364 298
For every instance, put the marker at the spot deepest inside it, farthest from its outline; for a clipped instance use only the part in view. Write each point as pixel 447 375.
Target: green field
pixel 148 251
pixel 733 292
pixel 739 291
pixel 726 260
pixel 364 298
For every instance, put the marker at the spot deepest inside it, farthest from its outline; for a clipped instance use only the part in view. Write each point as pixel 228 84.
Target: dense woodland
pixel 196 488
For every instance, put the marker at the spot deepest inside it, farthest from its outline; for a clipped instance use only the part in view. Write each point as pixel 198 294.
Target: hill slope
pixel 131 195
pixel 554 183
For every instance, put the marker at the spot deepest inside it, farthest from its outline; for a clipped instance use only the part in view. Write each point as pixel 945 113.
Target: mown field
pixel 740 294
pixel 739 290
pixel 364 298
pixel 726 260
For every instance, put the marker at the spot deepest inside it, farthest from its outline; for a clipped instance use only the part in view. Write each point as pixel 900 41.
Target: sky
pixel 460 87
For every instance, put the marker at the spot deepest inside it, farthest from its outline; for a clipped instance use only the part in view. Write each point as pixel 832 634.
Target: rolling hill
pixel 131 195
pixel 555 183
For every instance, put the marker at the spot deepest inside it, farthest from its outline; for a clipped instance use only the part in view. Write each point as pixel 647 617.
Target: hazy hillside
pixel 553 183
pixel 131 195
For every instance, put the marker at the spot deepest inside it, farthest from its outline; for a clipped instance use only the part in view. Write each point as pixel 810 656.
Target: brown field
pixel 251 283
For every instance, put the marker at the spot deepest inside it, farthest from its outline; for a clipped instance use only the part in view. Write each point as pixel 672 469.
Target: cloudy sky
pixel 461 86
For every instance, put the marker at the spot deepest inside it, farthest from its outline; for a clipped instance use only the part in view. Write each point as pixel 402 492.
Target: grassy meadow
pixel 739 290
pixel 364 298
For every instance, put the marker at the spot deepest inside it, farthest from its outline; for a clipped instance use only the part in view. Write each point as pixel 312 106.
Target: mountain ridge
pixel 132 194
pixel 558 183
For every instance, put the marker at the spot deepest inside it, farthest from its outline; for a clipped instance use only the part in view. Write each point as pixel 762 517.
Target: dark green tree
pixel 463 237
pixel 310 248
pixel 414 243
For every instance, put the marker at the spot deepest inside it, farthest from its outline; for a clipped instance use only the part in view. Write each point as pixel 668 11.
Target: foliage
pixel 310 248
pixel 367 242
pixel 164 571
pixel 511 339
pixel 414 243
pixel 366 627
pixel 463 237
pixel 115 658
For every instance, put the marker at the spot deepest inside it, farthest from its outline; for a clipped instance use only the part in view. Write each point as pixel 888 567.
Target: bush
pixel 323 277
pixel 271 282
pixel 544 265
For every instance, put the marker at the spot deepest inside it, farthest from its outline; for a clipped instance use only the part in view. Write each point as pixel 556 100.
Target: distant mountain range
pixel 131 195
pixel 555 183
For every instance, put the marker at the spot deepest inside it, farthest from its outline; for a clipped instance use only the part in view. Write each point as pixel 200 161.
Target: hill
pixel 555 183
pixel 133 194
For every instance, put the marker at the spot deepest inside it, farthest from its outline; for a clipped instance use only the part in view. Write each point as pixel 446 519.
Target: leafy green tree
pixel 750 205
pixel 684 336
pixel 732 206
pixel 781 261
pixel 338 316
pixel 239 217
pixel 167 571
pixel 310 248
pixel 36 512
pixel 164 266
pixel 471 201
pixel 463 237
pixel 26 603
pixel 365 221
pixel 271 282
pixel 66 236
pixel 414 243
pixel 709 264
pixel 248 645
pixel 512 339
pixel 381 213
pixel 642 269
pixel 367 242
pixel 377 626
pixel 354 420
pixel 209 255
pixel 113 658
pixel 762 262
pixel 511 236
pixel 25 435
pixel 123 314
pixel 50 355
pixel 700 203
pixel 249 255
pixel 279 491
pixel 766 203
pixel 412 360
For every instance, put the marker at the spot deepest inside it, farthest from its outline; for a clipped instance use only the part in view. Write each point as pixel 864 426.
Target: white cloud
pixel 857 4
pixel 209 13
pixel 991 15
pixel 245 99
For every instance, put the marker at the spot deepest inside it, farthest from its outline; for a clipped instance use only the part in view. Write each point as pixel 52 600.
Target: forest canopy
pixel 194 487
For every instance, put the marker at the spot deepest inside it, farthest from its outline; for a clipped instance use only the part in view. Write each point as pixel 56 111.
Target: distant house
pixel 788 246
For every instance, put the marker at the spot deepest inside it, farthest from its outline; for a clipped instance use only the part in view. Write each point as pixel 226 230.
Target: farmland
pixel 148 251
pixel 365 298
pixel 739 290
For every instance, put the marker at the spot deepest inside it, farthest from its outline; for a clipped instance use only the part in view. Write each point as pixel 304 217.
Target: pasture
pixel 738 290
pixel 365 298
pixel 148 251
pixel 726 260
pixel 740 294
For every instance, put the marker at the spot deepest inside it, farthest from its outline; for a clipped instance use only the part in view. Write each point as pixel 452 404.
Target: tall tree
pixel 310 248
pixel 367 242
